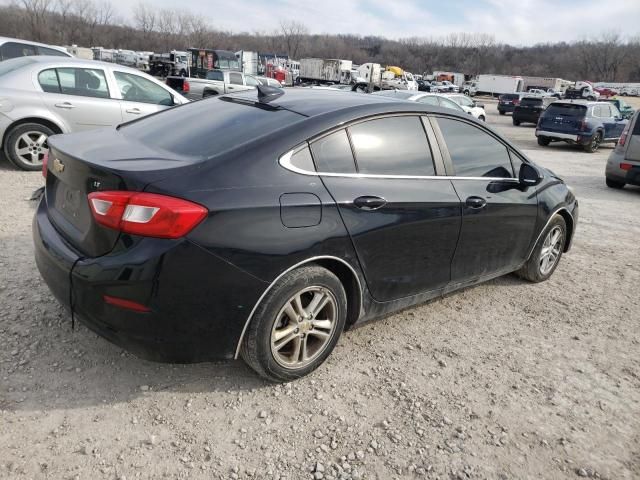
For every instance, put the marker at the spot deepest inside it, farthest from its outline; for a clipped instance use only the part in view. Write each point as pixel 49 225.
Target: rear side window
pixel 392 146
pixel 215 75
pixel 332 153
pixel 566 109
pixel 473 152
pixel 14 49
pixel 208 127
pixel 429 100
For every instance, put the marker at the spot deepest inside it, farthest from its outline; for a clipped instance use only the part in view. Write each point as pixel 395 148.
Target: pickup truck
pixel 216 82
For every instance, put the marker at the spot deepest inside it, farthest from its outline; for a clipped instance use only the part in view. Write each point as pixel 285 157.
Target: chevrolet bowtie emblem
pixel 58 166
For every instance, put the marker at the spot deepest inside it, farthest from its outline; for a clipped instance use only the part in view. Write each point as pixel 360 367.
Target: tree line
pixel 608 57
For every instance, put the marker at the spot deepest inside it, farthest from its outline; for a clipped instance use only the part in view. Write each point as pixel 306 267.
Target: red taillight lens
pixel 185 86
pixel 516 101
pixel 45 162
pixel 623 139
pixel 127 304
pixel 146 214
pixel 626 166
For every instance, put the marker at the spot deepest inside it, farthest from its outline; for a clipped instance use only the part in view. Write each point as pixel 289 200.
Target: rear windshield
pixel 567 110
pixel 207 127
pixel 509 96
pixel 531 102
pixel 9 66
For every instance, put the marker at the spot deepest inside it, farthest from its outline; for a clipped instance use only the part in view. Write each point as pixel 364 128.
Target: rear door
pixel 140 96
pixel 498 216
pixel 80 96
pixel 633 150
pixel 403 220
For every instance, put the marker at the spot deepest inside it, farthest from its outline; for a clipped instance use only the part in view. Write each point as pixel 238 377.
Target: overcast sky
pixel 518 22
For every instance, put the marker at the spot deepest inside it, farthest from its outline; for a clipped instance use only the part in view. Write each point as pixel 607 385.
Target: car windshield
pixel 531 102
pixel 13 64
pixel 566 109
pixel 205 128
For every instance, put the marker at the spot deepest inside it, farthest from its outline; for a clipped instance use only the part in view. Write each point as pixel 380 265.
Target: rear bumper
pixel 567 137
pixel 614 172
pixel 526 116
pixel 199 303
pixel 506 108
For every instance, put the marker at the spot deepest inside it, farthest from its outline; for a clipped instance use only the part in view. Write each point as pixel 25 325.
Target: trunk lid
pixel 98 160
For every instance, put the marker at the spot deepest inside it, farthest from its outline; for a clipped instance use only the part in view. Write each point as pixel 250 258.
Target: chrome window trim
pixel 293 267
pixel 285 162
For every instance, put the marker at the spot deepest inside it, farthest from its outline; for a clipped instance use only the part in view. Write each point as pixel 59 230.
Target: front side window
pixel 51 52
pixel 14 50
pixel 392 146
pixel 473 152
pixel 446 103
pixel 235 78
pixel 85 82
pixel 332 154
pixel 135 88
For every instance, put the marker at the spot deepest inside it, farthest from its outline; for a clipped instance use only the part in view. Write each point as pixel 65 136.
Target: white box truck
pixel 249 62
pixel 320 70
pixel 499 84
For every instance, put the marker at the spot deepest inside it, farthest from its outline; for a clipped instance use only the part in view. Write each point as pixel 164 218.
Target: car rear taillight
pixel 127 304
pixel 623 136
pixel 583 125
pixel 146 214
pixel 45 161
pixel 185 86
pixel 516 101
pixel 626 166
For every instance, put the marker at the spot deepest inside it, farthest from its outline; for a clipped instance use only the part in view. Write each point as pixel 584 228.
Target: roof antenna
pixel 267 94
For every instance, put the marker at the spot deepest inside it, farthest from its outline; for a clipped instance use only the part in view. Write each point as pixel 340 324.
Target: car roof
pixel 37 44
pixel 576 101
pixel 50 60
pixel 338 104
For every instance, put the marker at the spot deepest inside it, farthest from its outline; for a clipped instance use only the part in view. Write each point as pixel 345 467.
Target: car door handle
pixel 369 202
pixel 476 202
pixel 135 111
pixel 65 105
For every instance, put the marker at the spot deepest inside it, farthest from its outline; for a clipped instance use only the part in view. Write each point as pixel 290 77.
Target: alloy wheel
pixel 31 147
pixel 551 250
pixel 595 142
pixel 304 327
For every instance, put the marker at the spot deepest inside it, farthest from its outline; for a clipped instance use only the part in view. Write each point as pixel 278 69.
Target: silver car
pixel 42 96
pixel 623 165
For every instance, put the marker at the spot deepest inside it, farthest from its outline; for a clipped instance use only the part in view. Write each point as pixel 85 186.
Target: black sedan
pixel 263 225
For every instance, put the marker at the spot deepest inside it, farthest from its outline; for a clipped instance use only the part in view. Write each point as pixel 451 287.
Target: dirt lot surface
pixel 507 380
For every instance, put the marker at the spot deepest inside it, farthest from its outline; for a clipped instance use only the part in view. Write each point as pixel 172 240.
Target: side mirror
pixel 529 175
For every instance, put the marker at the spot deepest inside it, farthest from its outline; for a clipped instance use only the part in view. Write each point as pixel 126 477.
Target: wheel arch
pixel 345 272
pixel 44 121
pixel 570 222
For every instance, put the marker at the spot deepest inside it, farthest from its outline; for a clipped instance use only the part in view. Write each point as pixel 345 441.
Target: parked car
pixel 623 165
pixel 605 92
pixel 507 102
pixel 470 89
pixel 240 225
pixel 216 82
pixel 14 47
pixel 423 86
pixel 530 108
pixel 623 107
pixel 629 91
pixel 450 87
pixel 435 99
pixel 588 124
pixel 474 108
pixel 42 96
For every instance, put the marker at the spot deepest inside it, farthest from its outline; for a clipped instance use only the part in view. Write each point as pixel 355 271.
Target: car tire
pixel 26 144
pixel 262 348
pixel 502 112
pixel 547 253
pixel 614 184
pixel 543 141
pixel 482 119
pixel 208 93
pixel 594 143
pixel 516 122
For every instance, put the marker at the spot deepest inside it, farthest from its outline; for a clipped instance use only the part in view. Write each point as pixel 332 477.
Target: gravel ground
pixel 507 380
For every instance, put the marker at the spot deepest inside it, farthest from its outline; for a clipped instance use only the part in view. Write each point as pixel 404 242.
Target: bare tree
pixel 293 33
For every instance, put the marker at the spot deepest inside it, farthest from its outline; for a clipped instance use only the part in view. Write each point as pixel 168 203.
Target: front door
pixel 402 219
pixel 140 96
pixel 80 96
pixel 498 216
